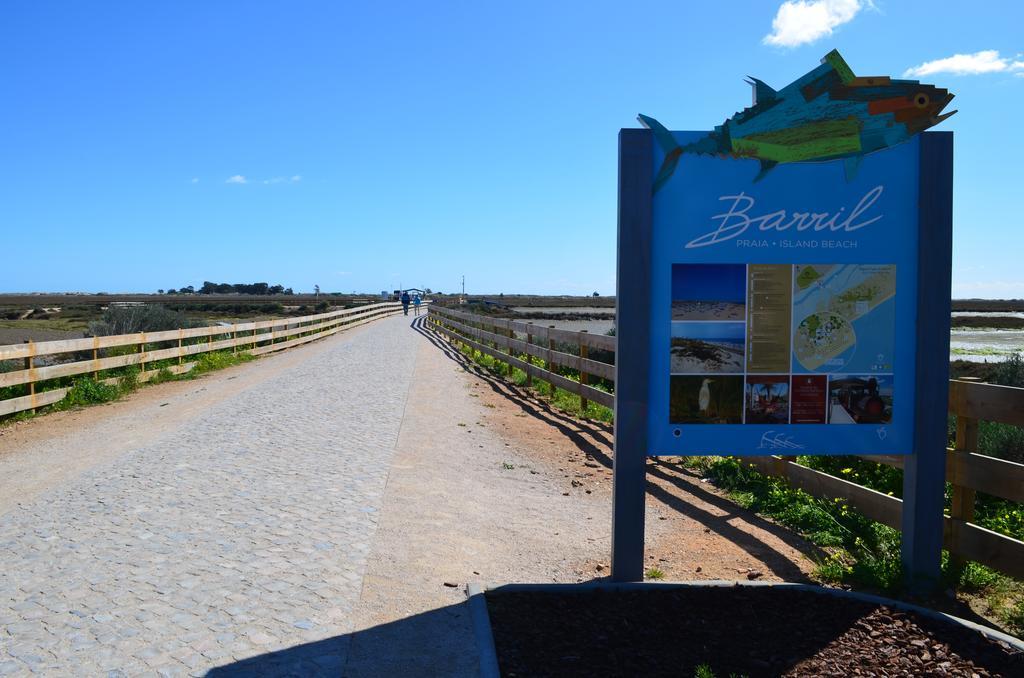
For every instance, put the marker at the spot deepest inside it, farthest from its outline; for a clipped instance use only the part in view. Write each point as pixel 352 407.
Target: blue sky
pixel 412 143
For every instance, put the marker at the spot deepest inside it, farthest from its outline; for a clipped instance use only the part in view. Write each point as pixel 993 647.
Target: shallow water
pixel 966 343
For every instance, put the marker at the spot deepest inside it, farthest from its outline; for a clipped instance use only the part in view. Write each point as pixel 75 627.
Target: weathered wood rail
pixel 70 357
pixel 488 335
pixel 967 471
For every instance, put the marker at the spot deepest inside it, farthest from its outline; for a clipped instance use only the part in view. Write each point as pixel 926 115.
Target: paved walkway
pixel 242 532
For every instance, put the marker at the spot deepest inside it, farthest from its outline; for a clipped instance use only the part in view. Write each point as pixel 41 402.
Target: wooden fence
pixel 967 471
pixel 94 355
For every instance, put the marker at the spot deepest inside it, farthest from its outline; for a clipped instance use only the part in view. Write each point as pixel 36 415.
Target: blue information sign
pixel 782 311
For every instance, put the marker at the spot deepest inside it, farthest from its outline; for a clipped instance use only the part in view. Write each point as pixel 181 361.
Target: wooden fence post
pixel 962 507
pixel 511 351
pixel 30 365
pixel 95 358
pixel 529 358
pixel 551 363
pixel 142 351
pixel 181 357
pixel 584 377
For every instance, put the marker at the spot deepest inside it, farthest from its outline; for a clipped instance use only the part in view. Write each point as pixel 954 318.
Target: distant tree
pixel 288 290
pixel 159 291
pixel 597 294
pixel 427 291
pixel 172 291
pixel 188 290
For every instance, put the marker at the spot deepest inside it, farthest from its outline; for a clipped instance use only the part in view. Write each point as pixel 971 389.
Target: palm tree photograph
pixel 767 399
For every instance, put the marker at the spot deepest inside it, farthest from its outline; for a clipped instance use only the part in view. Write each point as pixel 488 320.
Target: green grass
pixel 559 398
pixel 217 360
pixel 59 324
pixel 856 551
pixel 654 573
pixel 981 350
pixel 88 390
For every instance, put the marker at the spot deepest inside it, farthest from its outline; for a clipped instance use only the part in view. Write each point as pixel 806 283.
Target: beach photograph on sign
pixel 707 347
pixel 708 291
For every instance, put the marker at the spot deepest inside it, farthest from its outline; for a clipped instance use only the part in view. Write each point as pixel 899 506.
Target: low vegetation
pixel 559 398
pixel 143 318
pixel 89 390
pixel 857 551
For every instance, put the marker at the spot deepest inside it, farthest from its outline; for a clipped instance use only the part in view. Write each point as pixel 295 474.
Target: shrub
pixel 1011 372
pixel 131 319
pixel 88 391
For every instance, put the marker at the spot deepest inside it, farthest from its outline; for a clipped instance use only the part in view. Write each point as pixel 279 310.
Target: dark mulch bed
pixel 742 631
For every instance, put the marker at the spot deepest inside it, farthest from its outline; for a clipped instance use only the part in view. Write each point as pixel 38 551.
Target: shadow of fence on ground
pixel 584 434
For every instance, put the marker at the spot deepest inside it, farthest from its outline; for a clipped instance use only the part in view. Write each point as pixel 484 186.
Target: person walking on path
pixel 405 302
pixel 416 301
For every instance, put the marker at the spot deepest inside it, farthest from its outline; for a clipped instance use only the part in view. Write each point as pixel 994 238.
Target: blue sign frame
pixel 922 172
pixel 742 362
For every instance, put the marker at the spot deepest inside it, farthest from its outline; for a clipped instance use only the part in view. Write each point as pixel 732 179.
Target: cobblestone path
pixel 243 532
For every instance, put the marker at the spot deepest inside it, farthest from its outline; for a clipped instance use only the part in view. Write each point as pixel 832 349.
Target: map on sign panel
pixel 844 317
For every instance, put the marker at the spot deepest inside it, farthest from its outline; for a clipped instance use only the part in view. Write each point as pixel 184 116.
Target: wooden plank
pixel 998 477
pixel 19 404
pixel 596 368
pixel 963 539
pixel 962 501
pixel 350 319
pixel 17 351
pixel 597 395
pixel 973 542
pixel 538 332
pixel 988 402
pixel 875 505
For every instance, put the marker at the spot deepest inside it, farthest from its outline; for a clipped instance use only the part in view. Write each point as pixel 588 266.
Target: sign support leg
pixel 636 158
pixel 924 472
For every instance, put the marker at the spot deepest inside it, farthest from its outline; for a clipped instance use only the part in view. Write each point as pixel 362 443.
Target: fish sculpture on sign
pixel 827 114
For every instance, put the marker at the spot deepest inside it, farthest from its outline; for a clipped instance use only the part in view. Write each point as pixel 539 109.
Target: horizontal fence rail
pixel 967 471
pixel 488 335
pixel 45 361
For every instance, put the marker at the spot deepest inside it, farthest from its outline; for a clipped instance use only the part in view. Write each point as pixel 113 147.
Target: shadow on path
pixel 439 642
pixel 665 482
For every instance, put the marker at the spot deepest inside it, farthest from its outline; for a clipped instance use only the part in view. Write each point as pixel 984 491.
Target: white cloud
pixel 237 179
pixel 985 61
pixel 799 22
pixel 281 180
